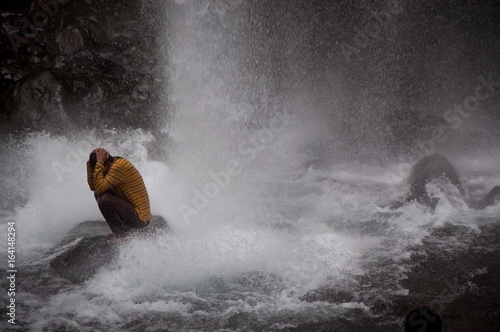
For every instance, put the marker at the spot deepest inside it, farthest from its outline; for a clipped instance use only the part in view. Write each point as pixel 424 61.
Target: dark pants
pixel 119 214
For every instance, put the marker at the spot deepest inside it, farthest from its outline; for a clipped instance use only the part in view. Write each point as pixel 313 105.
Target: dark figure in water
pixel 436 166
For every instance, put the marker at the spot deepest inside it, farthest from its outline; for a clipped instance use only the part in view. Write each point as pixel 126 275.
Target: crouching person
pixel 120 192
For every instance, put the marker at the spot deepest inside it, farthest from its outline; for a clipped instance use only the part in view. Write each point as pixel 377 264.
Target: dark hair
pixel 93 159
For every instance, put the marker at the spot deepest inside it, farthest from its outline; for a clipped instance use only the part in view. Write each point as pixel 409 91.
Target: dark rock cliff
pixel 81 63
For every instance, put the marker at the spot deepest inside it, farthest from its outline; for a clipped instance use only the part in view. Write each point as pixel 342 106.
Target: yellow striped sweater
pixel 125 181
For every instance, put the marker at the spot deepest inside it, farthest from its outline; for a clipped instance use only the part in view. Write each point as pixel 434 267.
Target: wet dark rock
pixel 35 50
pixel 52 47
pixel 110 54
pixel 63 19
pixel 101 42
pixel 60 62
pixel 47 61
pixel 97 33
pixel 434 167
pixel 112 66
pixel 491 198
pixel 427 169
pixel 35 59
pixel 95 95
pixel 12 72
pixel 84 258
pixel 39 102
pixel 78 87
pixel 71 39
pixel 84 250
pixel 461 285
pixel 121 43
pixel 80 58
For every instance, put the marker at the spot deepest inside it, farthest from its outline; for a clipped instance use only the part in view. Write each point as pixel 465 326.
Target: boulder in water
pixel 84 250
pixel 491 198
pixel 434 167
pixel 427 169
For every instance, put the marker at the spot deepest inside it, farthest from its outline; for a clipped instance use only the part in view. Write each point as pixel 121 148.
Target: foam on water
pixel 300 227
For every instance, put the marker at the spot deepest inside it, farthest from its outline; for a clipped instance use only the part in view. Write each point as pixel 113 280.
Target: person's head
pixel 93 159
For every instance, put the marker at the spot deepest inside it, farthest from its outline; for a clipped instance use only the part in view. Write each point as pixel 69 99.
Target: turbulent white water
pixel 299 227
pixel 260 216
